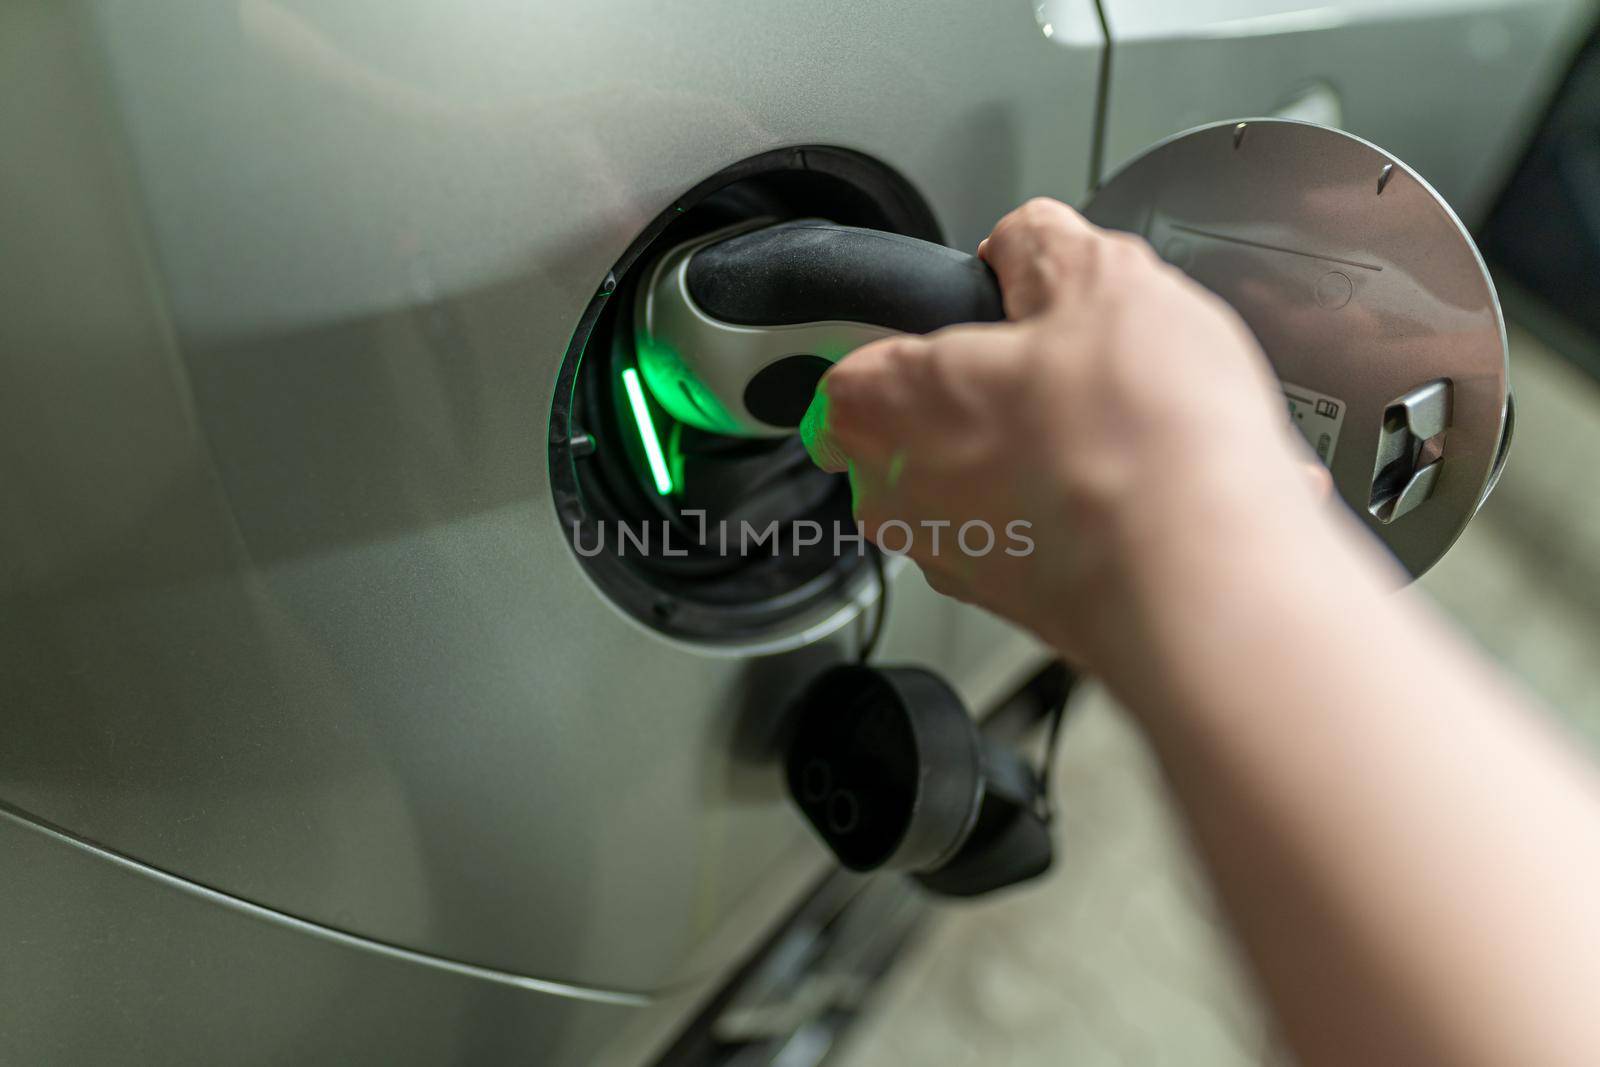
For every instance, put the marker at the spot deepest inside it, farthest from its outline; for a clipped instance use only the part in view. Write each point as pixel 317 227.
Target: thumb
pixel 817 436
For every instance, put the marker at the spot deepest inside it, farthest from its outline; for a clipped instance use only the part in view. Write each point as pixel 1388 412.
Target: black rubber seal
pixel 700 597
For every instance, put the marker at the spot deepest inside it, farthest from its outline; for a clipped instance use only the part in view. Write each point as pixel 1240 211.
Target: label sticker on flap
pixel 1318 417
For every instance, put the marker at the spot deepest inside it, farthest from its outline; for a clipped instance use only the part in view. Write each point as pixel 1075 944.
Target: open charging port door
pixel 1368 296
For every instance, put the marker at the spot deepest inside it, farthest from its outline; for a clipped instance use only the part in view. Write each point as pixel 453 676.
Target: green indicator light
pixel 647 431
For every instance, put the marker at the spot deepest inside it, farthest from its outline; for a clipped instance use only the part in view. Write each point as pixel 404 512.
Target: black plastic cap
pixel 885 765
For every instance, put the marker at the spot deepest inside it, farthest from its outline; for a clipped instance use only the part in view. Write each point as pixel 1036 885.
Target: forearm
pixel 1413 864
pixel 1399 910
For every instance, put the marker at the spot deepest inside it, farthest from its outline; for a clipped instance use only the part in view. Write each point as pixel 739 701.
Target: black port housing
pixel 682 571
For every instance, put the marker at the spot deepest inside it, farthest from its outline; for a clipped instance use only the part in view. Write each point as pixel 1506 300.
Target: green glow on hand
pixel 647 431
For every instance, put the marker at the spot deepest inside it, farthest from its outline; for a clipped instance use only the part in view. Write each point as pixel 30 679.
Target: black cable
pixel 1047 764
pixel 880 570
pixel 1058 714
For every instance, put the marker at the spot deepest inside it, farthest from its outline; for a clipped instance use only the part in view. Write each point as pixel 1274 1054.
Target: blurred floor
pixel 1524 580
pixel 1118 957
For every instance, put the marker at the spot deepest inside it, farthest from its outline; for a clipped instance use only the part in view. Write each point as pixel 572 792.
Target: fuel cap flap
pixel 1368 296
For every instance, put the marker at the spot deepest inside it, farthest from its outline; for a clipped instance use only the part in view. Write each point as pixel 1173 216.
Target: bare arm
pixel 1411 860
pixel 1412 863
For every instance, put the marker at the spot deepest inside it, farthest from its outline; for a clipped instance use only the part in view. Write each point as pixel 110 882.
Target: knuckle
pixel 1113 253
pixel 1132 253
pixel 1031 215
pixel 1039 209
pixel 901 354
pixel 1129 243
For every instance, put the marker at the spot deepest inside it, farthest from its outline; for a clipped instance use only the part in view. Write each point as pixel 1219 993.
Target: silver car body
pixel 316 743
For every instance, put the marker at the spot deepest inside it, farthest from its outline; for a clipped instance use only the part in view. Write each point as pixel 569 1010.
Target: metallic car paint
pixel 287 609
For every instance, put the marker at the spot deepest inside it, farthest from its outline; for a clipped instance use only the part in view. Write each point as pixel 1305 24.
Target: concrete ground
pixel 1119 957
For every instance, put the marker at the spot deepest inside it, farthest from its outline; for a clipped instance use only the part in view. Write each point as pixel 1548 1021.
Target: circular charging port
pixel 702 536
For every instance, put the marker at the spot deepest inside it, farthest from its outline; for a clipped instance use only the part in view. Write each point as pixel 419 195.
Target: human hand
pixel 1120 407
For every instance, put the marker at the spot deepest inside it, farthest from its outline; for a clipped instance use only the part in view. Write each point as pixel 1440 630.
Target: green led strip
pixel 647 431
